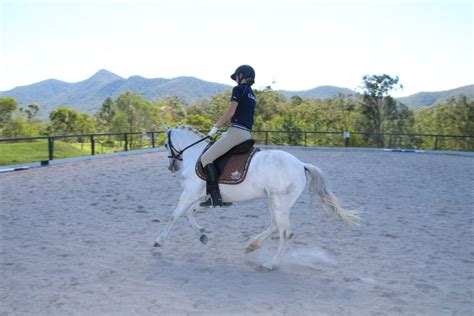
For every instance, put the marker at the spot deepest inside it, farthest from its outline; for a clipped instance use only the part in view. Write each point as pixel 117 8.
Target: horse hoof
pixel 203 239
pixel 157 244
pixel 252 247
pixel 266 267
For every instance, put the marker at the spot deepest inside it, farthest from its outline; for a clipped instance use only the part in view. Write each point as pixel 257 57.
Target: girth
pixel 233 165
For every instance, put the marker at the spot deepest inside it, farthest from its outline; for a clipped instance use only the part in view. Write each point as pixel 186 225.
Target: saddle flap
pixel 232 166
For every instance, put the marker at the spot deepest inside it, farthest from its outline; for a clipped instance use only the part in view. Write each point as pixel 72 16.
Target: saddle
pixel 233 165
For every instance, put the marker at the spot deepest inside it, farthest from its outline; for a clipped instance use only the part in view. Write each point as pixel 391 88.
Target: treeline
pixel 374 112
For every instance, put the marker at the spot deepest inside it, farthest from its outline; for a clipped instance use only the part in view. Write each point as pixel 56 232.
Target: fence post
pixel 126 141
pixel 436 143
pixel 51 148
pixel 153 139
pixel 346 136
pixel 92 145
pixel 305 143
pixel 266 138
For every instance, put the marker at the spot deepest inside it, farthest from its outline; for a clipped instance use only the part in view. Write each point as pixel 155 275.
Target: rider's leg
pixel 212 187
pixel 233 137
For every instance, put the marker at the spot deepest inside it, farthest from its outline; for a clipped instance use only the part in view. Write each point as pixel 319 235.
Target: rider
pixel 240 113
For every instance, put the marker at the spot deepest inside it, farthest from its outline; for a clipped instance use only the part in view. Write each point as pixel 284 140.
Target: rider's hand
pixel 213 131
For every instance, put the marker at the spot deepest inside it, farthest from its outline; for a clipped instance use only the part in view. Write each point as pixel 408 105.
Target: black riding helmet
pixel 246 71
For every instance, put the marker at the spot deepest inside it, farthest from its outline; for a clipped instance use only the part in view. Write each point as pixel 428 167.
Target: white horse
pixel 274 174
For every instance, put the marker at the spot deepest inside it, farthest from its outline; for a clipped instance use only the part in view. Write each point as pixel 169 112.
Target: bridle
pixel 176 154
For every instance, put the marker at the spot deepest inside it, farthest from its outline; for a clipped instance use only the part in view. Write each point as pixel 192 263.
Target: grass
pixel 99 148
pixel 34 151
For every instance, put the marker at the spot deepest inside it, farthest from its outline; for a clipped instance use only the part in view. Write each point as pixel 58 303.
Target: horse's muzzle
pixel 173 166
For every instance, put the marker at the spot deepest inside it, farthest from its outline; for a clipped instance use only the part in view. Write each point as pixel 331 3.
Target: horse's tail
pixel 318 185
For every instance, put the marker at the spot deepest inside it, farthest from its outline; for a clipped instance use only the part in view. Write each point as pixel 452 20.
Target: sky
pixel 292 44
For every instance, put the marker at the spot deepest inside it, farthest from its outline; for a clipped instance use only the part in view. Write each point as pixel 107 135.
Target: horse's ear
pixel 165 128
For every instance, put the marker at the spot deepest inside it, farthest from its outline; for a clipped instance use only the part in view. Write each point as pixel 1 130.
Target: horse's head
pixel 177 141
pixel 175 161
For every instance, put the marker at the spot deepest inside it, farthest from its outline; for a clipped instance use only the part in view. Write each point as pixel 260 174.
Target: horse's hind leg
pixel 281 211
pixel 254 243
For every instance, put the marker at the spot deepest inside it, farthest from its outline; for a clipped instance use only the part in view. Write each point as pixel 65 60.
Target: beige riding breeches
pixel 231 138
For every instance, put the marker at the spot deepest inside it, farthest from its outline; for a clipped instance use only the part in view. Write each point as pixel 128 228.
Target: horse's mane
pixel 191 129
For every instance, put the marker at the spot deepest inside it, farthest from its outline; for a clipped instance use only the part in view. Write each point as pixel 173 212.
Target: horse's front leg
pixel 198 230
pixel 184 204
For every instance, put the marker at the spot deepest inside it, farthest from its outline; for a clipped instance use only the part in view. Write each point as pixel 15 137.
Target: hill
pixel 421 99
pixel 88 95
pixel 321 92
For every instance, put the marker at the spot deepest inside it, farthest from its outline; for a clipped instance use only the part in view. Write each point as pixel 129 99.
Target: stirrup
pixel 208 203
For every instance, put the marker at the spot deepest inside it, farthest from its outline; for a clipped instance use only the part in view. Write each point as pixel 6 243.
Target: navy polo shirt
pixel 244 95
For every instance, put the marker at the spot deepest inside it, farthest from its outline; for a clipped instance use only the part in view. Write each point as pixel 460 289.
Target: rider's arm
pixel 227 115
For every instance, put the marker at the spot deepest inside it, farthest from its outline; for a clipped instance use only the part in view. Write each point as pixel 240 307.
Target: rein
pixel 175 154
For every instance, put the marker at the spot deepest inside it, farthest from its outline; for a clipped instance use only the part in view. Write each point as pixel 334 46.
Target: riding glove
pixel 213 131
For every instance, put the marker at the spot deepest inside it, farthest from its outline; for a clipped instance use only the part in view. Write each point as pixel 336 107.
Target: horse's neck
pixel 191 154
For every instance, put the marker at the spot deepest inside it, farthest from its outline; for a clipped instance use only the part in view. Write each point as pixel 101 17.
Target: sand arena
pixel 76 239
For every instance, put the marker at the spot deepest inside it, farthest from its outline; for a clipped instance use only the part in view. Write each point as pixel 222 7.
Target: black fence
pixel 19 150
pixel 368 140
pixel 45 148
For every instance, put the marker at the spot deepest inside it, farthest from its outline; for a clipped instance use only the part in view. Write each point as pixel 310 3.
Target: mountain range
pixel 422 99
pixel 88 95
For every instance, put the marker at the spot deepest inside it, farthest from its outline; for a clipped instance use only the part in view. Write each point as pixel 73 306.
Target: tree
pixel 269 103
pixel 296 100
pixel 24 123
pixel 18 122
pixel 217 106
pixel 454 117
pixel 8 105
pixel 464 115
pixel 293 126
pixel 127 105
pixel 197 121
pixel 378 106
pixel 19 126
pixel 31 111
pixel 133 113
pixel 85 124
pixel 63 121
pixel 106 114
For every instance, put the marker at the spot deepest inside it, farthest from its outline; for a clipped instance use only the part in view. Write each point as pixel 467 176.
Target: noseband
pixel 176 154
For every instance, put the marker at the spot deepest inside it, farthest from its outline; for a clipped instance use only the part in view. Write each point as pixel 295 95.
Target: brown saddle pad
pixel 232 169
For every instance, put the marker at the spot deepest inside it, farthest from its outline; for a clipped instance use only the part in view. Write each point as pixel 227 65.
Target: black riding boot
pixel 214 197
